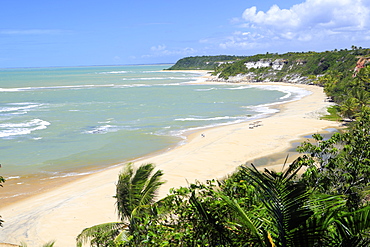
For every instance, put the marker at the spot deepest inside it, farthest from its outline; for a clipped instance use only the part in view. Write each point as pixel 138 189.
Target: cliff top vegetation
pixel 277 67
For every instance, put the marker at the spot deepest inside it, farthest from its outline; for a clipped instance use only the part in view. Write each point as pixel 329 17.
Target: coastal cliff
pixel 292 67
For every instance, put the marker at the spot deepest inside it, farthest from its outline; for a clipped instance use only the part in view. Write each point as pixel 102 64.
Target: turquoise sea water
pixel 58 120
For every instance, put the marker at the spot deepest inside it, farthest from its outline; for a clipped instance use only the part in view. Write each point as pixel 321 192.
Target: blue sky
pixel 71 33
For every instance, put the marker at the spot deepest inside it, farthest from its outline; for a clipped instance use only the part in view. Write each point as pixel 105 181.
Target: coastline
pixel 61 213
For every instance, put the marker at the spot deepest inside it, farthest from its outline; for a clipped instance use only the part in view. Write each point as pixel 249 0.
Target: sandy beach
pixel 62 213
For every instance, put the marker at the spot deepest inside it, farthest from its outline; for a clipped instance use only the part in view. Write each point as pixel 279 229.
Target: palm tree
pixel 135 191
pixel 362 96
pixel 297 217
pixel 352 229
pixel 290 220
pixel 349 107
pixel 49 244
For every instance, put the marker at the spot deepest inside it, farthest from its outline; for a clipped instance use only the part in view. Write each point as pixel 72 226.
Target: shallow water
pixel 57 121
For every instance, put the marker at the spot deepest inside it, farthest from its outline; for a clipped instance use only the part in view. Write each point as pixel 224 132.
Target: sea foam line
pixel 207 119
pixel 15 107
pixel 262 110
pixel 52 88
pixel 22 89
pixel 113 72
pixel 157 78
pixel 25 128
pixel 297 93
pixel 65 175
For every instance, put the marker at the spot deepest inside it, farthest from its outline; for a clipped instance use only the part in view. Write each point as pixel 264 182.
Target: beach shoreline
pixel 19 187
pixel 61 213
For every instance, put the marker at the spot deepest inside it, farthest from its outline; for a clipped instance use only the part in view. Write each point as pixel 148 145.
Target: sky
pixel 41 33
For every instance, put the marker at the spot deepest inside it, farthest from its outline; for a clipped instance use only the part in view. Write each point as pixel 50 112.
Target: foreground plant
pixel 49 244
pixel 253 208
pixel 341 164
pixel 287 219
pixel 135 193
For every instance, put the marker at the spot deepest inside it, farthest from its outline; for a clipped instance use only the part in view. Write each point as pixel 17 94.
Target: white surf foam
pixel 206 119
pixel 113 72
pixel 18 108
pixel 24 128
pixel 20 89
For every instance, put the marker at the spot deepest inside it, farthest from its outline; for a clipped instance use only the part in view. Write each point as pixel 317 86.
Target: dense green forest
pixel 203 62
pixel 320 199
pixel 278 67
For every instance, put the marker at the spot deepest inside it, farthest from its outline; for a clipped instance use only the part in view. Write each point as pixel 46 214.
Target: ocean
pixel 67 121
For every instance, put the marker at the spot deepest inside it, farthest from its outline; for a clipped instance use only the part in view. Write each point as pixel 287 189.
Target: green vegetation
pixel 203 62
pixel 332 70
pixel 341 165
pixel 333 114
pixel 328 204
pixel 351 95
pixel 293 64
pixel 135 192
pixel 251 208
pixel 49 244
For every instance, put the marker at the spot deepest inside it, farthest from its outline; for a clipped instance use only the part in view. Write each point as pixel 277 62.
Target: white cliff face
pixel 271 74
pixel 277 64
pixel 258 64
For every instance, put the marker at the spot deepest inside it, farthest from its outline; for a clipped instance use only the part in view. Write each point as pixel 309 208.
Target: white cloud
pixel 161 50
pixel 158 48
pixel 313 13
pixel 310 21
pixel 272 17
pixel 117 58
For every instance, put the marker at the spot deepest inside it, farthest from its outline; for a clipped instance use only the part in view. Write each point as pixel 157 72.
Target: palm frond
pixel 355 242
pixel 136 188
pixel 286 202
pixel 151 187
pixel 123 236
pixel 139 180
pixel 310 232
pixel 23 244
pixel 217 232
pixel 124 192
pixel 352 224
pixel 253 225
pixel 49 244
pixel 93 233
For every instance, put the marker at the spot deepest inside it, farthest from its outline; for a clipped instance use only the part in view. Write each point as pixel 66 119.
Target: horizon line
pixel 80 66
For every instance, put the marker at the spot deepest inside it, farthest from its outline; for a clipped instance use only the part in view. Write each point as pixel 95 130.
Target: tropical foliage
pixel 294 63
pixel 321 199
pixel 253 208
pixel 341 164
pixel 49 244
pixel 203 62
pixel 135 192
